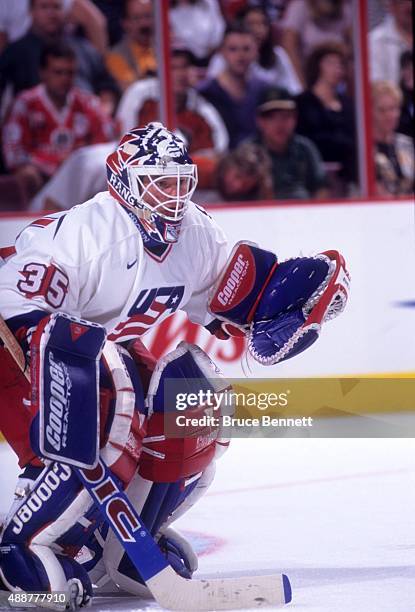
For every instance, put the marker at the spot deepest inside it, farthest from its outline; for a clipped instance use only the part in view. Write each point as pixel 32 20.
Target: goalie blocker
pixel 65 354
pixel 281 306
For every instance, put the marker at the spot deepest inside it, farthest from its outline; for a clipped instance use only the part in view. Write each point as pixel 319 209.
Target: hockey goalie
pixel 78 291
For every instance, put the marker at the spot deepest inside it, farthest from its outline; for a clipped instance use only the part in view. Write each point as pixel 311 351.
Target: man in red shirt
pixel 49 121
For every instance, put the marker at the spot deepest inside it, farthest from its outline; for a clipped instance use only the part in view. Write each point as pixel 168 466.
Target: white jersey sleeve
pixel 63 260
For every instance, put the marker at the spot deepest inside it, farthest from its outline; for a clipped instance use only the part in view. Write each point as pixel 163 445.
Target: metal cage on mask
pixel 164 189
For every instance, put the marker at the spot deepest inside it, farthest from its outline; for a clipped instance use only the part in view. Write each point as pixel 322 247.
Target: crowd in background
pixel 263 94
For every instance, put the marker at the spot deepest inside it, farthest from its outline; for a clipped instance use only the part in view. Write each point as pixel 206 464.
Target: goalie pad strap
pixel 65 354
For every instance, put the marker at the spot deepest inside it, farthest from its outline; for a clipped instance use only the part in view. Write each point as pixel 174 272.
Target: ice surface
pixel 336 515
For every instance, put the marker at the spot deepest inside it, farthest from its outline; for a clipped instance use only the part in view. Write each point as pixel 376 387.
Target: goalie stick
pixel 168 588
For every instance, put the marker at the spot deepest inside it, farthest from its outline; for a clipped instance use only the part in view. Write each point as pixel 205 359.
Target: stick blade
pixel 176 593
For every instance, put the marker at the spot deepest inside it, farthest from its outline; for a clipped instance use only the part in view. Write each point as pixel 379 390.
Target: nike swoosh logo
pixel 129 266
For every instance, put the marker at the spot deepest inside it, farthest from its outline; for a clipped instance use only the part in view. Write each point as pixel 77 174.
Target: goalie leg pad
pixel 159 504
pixel 167 458
pixel 49 504
pixel 21 568
pixel 65 354
pixel 173 472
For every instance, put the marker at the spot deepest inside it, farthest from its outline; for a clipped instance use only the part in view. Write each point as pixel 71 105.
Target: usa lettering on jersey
pixel 151 306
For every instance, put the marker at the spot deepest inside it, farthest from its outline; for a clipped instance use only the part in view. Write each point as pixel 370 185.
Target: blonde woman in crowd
pixel 394 152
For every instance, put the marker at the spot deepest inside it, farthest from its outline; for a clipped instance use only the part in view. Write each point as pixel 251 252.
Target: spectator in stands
pixel 49 121
pixel 308 23
pixel 325 115
pixel 133 57
pixel 394 152
pixel 389 40
pixel 376 12
pixel 113 12
pixel 245 174
pixel 19 63
pixel 272 65
pixel 15 21
pixel 83 173
pixel 197 119
pixel 197 25
pixel 273 8
pixel 406 122
pixel 297 168
pixel 233 92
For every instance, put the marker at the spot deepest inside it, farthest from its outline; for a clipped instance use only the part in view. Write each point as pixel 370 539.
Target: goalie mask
pixel 152 174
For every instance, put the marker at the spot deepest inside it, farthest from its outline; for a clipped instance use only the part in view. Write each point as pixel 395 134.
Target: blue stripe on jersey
pixel 58 225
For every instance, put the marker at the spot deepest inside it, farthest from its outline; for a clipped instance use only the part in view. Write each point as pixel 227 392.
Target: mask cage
pixel 164 190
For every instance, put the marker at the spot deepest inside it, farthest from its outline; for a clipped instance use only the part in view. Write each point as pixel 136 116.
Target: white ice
pixel 336 515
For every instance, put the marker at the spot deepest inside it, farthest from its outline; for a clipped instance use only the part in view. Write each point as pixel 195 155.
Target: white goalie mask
pixel 152 173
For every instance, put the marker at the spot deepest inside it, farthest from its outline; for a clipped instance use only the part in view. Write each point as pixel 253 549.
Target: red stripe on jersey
pixel 42 222
pixel 6 252
pixel 129 332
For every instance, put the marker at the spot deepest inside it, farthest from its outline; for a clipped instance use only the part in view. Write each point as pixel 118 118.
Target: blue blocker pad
pixel 65 380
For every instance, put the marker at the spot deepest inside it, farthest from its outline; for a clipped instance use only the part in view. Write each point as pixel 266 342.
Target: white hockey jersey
pixel 90 262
